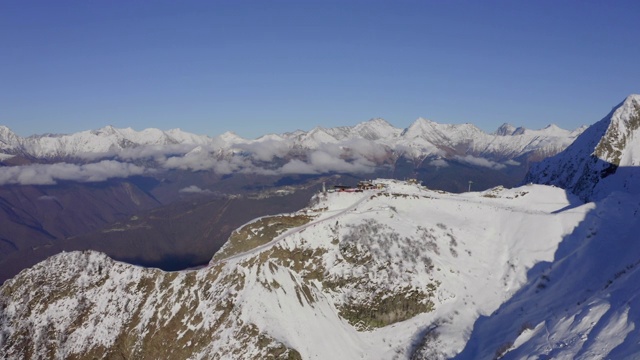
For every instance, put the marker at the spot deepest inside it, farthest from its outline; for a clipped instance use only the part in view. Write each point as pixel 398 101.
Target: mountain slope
pixel 581 305
pixel 607 147
pixel 373 272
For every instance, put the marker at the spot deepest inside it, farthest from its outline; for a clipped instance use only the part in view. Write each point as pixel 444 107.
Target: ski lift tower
pixel 470 182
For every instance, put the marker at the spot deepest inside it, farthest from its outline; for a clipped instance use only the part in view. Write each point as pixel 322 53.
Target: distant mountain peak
pixel 8 138
pixel 379 121
pixel 5 132
pixel 375 129
pixel 231 136
pixel 422 121
pixel 519 131
pixel 418 127
pixel 505 129
pixel 107 130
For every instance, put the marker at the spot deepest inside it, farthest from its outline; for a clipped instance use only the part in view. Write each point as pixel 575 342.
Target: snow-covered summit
pixel 376 129
pixel 8 139
pixel 610 146
pixel 505 130
pixel 356 275
pixel 228 139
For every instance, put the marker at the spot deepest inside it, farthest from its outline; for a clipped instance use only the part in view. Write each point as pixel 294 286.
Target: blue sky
pixel 255 67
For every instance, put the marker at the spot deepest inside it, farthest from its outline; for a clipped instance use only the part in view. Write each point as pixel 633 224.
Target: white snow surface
pixel 583 304
pixel 487 253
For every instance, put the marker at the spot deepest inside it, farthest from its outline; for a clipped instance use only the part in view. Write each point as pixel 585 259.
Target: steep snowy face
pixel 586 166
pixel 620 144
pixel 505 130
pixel 376 129
pixel 8 139
pixel 441 134
pixel 356 275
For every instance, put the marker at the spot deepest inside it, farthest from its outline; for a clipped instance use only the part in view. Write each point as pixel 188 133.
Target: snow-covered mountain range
pixel 423 137
pixel 360 148
pixel 394 272
pixel 91 143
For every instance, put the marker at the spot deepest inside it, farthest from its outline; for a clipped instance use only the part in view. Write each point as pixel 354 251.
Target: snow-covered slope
pixel 583 304
pixel 612 145
pixel 398 272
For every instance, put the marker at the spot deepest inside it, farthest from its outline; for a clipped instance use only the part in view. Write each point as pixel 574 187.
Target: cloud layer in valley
pixel 50 174
pixel 265 157
pixel 482 162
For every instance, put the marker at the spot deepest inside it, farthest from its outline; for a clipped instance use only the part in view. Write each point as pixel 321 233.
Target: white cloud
pixel 349 156
pixel 328 158
pixel 472 160
pixel 439 163
pixel 323 162
pixel 265 150
pixel 50 174
pixel 195 162
pixel 296 166
pixel 367 149
pixel 194 190
pixel 512 163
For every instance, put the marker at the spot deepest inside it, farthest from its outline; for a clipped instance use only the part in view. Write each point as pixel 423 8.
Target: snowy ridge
pixel 609 146
pixel 372 271
pixel 104 141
